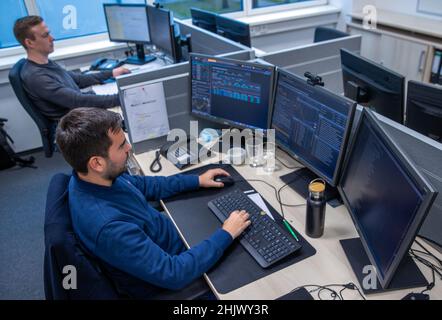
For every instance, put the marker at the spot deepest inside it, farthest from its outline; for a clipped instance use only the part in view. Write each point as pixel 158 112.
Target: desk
pixel 111 88
pixel 328 266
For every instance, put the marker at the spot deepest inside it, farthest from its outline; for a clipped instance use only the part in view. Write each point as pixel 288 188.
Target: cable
pixel 333 293
pixel 277 194
pixel 156 162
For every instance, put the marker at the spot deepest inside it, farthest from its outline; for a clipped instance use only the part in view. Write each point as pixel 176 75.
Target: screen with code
pixel 311 123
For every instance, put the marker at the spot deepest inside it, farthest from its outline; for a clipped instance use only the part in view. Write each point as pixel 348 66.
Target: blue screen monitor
pixel 231 92
pixel 127 23
pixel 387 197
pixel 312 124
pixel 234 30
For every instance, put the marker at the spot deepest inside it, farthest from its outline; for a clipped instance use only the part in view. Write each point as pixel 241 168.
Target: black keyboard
pixel 264 239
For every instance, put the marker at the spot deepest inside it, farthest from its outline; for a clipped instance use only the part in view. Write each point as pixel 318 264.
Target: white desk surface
pixel 111 88
pixel 328 266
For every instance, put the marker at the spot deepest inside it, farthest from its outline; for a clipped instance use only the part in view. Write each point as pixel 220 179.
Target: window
pixel 268 3
pixel 9 12
pixel 181 8
pixel 68 18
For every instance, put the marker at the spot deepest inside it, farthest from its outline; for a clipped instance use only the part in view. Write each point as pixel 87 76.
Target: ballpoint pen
pixel 290 229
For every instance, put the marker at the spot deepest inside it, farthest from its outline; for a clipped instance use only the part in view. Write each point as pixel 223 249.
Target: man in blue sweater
pixel 52 89
pixel 112 217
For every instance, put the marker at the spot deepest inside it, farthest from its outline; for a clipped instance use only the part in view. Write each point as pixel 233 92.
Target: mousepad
pixel 196 222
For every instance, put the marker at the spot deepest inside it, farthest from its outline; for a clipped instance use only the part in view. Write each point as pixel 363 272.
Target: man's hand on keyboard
pixel 236 223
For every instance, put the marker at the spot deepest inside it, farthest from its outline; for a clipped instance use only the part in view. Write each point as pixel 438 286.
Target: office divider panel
pixel 322 58
pixel 206 42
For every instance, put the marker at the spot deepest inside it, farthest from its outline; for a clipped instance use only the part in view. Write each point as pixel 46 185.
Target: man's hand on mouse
pixel 206 179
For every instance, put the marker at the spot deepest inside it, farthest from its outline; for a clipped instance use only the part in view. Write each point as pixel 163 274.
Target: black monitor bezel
pixel 170 31
pixel 222 19
pixel 226 121
pixel 342 151
pixel 206 14
pixel 373 83
pixel 126 5
pixel 428 96
pixel 413 173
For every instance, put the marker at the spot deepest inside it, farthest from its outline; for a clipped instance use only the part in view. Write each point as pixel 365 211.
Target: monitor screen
pixel 231 92
pixel 234 30
pixel 204 19
pixel 161 30
pixel 385 194
pixel 424 109
pixel 373 86
pixel 312 124
pixel 127 23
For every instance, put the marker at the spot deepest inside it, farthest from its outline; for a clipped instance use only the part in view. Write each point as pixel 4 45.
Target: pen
pixel 290 229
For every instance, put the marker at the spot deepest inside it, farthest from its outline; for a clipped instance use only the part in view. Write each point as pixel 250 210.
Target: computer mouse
pixel 226 180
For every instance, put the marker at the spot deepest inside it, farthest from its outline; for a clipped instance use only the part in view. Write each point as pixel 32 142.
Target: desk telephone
pixel 179 154
pixel 103 64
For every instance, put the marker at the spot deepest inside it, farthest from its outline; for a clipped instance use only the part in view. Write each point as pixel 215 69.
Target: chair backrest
pixel 62 248
pixel 325 33
pixel 45 125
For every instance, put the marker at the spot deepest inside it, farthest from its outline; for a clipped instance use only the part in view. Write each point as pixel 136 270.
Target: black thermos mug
pixel 315 215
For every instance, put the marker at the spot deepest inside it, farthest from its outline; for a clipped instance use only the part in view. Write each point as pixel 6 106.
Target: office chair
pixel 324 34
pixel 62 248
pixel 45 126
pixel 94 280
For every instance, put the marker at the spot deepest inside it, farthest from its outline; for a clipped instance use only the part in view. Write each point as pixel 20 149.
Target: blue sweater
pixel 119 226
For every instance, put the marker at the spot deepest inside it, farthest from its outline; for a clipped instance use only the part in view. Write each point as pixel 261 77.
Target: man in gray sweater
pixel 52 89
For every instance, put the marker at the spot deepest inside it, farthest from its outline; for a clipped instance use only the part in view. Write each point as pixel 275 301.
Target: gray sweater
pixel 56 91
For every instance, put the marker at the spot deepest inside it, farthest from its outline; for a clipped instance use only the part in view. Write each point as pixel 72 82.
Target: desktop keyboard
pixel 264 239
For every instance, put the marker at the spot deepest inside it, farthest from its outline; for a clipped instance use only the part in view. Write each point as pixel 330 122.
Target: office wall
pixel 401 6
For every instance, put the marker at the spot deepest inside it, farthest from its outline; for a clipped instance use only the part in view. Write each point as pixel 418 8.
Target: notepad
pixel 257 199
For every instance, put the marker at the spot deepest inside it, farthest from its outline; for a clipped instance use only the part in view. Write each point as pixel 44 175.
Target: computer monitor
pixel 129 23
pixel 372 85
pixel 204 19
pixel 231 92
pixel 234 30
pixel 425 154
pixel 424 109
pixel 161 30
pixel 387 197
pixel 311 124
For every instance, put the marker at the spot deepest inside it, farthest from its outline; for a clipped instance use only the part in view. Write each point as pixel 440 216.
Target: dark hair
pixel 84 133
pixel 22 28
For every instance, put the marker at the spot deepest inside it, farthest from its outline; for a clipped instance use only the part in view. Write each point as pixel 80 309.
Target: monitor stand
pixel 407 274
pixel 141 58
pixel 299 181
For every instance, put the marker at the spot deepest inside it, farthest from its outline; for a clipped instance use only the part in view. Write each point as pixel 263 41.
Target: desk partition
pixel 322 58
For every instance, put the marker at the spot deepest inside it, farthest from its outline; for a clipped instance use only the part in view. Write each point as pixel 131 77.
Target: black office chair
pixel 45 126
pixel 94 277
pixel 324 34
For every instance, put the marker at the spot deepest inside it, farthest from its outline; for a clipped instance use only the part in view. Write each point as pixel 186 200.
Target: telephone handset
pixel 102 64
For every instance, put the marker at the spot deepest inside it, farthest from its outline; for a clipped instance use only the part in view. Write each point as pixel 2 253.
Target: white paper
pixel 146 112
pixel 256 198
pixel 107 88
